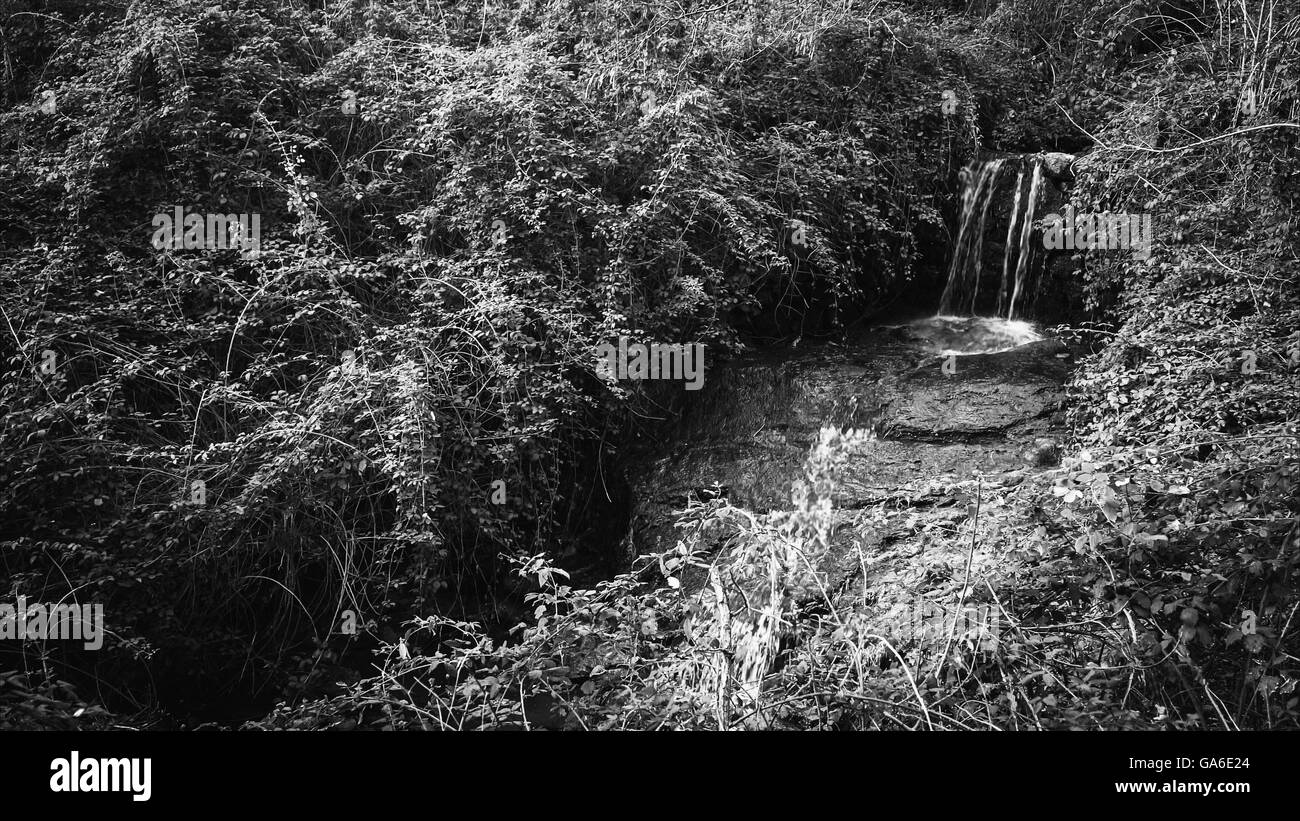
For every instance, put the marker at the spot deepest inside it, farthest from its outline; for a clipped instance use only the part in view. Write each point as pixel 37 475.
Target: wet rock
pixel 1057 165
pixel 977 396
pixel 747 435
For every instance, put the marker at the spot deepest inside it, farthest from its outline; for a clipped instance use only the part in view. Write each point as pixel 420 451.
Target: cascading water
pixel 981 180
pixel 1022 248
pixel 1011 237
pixel 961 294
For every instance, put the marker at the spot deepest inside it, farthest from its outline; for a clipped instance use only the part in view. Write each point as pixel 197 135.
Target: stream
pixel 953 403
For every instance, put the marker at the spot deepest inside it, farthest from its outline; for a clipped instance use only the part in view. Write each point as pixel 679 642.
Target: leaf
pixel 1111 511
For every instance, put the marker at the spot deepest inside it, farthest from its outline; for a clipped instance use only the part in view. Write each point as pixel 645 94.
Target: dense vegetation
pixel 390 412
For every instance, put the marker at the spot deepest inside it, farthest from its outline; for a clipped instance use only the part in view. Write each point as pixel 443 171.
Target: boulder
pixel 1057 165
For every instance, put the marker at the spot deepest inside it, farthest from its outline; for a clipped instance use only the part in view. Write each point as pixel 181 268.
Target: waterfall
pixel 1011 236
pixel 1026 229
pixel 961 293
pixel 981 180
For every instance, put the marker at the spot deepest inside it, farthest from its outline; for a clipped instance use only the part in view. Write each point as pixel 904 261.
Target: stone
pixel 750 430
pixel 1046 453
pixel 1056 165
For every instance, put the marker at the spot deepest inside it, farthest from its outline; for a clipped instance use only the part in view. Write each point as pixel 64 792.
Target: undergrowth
pixel 392 410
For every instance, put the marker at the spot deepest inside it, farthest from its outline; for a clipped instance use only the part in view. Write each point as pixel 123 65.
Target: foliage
pixel 232 453
pixel 1185 507
pixel 390 414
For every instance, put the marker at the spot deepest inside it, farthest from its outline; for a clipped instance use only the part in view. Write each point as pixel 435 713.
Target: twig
pixel 1206 141
pixel 965 585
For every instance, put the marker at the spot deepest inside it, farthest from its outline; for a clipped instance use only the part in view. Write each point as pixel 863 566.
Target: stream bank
pixel 942 425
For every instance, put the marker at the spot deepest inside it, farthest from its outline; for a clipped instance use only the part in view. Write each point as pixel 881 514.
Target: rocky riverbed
pixel 946 429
